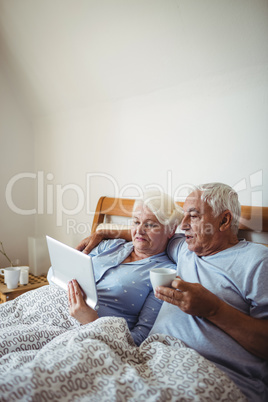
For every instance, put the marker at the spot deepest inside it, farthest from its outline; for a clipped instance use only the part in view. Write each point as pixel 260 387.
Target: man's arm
pixel 194 299
pixel 90 242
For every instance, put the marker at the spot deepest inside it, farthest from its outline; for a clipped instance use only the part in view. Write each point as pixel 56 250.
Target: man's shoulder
pixel 177 238
pixel 174 245
pixel 256 251
pixel 249 253
pixel 245 246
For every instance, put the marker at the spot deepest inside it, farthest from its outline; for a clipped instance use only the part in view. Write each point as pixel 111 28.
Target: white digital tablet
pixel 67 264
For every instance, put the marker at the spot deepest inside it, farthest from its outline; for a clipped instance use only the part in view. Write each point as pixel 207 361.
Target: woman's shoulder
pixel 114 243
pixel 110 245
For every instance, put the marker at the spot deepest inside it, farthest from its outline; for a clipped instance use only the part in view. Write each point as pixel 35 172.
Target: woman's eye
pixel 193 216
pixel 151 225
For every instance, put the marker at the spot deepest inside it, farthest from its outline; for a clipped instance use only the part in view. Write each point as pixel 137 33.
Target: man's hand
pixel 90 242
pixel 87 245
pixel 192 298
pixel 77 305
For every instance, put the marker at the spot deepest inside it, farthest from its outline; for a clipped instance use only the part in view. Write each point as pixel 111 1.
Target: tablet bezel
pixel 67 264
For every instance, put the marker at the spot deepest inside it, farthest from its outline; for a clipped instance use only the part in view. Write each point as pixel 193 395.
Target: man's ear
pixel 226 220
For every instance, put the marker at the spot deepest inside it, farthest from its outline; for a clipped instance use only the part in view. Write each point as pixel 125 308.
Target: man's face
pixel 200 226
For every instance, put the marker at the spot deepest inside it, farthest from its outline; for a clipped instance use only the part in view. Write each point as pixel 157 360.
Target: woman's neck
pixel 135 256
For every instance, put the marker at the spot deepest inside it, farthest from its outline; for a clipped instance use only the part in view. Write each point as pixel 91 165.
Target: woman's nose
pixel 140 228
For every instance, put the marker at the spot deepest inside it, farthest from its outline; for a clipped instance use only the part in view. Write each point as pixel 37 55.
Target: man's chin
pixel 191 245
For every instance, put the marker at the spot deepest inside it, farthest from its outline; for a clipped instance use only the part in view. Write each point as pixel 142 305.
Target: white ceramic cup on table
pixel 24 275
pixel 162 277
pixel 11 276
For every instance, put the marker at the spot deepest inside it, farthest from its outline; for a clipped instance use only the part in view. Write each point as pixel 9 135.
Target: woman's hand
pixel 77 305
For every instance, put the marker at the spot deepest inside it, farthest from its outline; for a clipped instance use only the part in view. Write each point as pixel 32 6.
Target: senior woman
pixel 122 268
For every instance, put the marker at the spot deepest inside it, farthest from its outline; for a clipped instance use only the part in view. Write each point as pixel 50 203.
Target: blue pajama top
pixel 125 290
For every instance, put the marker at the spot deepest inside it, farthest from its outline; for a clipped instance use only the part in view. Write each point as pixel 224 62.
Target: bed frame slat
pixel 252 218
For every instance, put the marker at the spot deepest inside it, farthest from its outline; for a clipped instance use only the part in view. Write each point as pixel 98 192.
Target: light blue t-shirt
pixel 239 276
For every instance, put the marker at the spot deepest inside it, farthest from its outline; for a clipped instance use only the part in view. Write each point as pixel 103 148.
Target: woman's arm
pixel 147 317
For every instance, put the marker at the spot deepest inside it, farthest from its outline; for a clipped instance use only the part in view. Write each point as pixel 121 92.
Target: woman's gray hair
pixel 221 197
pixel 162 206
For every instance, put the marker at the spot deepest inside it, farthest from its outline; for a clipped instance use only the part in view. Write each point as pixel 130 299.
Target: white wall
pixel 16 150
pixel 139 93
pixel 194 109
pixel 172 138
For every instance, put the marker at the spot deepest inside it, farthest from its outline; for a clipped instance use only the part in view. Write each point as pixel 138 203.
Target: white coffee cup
pixel 24 275
pixel 2 272
pixel 12 275
pixel 162 276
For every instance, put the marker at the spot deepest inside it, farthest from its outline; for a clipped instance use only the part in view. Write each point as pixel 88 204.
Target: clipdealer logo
pixel 51 198
pixel 54 199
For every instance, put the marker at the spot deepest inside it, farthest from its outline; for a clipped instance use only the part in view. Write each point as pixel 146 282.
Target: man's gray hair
pixel 221 197
pixel 162 206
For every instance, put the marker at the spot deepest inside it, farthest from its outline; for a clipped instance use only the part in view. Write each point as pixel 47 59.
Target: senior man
pixel 218 304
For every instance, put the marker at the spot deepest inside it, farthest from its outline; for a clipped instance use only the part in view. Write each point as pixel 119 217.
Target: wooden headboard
pixel 253 219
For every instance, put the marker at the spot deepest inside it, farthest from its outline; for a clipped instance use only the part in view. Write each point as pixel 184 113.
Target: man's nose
pixel 185 223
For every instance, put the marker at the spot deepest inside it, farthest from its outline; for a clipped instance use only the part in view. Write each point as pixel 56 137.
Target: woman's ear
pixel 172 232
pixel 226 220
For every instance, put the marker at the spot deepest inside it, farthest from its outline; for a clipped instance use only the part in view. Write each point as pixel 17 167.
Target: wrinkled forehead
pixel 194 202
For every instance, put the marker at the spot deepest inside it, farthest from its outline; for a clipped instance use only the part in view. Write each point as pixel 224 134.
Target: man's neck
pixel 229 242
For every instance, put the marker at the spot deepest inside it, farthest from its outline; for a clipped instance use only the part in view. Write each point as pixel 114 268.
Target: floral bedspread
pixel 45 355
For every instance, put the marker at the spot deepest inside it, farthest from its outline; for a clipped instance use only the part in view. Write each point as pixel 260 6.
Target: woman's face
pixel 149 236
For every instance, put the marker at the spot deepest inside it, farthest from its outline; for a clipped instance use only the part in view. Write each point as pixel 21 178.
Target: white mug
pixel 162 276
pixel 12 275
pixel 24 275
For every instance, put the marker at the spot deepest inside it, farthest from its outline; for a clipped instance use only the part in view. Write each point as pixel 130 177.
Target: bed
pixel 46 355
pixel 116 213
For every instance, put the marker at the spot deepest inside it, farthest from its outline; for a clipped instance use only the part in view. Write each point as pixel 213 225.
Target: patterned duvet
pixel 45 355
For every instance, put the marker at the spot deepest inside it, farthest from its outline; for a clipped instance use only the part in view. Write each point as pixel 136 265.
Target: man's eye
pixel 135 222
pixel 194 216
